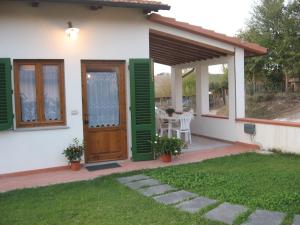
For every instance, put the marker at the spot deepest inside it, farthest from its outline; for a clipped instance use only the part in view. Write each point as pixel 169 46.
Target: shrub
pixel 74 151
pixel 166 145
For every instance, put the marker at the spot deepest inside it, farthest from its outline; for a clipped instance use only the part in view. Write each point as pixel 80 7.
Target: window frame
pixel 41 121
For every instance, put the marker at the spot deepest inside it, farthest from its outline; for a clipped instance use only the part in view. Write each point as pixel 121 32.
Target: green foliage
pixel 170 111
pixel 74 151
pixel 275 26
pixel 189 85
pixel 101 201
pixel 258 181
pixel 166 145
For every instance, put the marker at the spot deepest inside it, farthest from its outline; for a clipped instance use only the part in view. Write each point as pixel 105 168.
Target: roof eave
pixel 252 48
pixel 152 7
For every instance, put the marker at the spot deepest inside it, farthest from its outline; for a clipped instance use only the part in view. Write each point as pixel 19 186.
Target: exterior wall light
pixel 72 32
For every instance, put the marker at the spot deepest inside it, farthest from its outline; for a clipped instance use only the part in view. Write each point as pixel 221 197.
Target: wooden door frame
pixel 122 63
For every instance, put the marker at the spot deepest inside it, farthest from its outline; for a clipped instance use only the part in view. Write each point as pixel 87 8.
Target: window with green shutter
pixel 142 108
pixel 6 114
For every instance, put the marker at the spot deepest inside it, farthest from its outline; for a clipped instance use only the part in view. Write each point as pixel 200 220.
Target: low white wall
pixel 285 138
pixel 214 127
pixel 39 33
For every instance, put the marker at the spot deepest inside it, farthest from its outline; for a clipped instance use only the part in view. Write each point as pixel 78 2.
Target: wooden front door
pixel 104 110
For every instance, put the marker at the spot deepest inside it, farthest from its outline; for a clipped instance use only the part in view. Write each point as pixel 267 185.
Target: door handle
pixel 86 121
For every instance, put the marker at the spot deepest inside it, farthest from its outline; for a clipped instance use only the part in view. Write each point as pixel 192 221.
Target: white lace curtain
pixel 28 93
pixel 51 92
pixel 103 99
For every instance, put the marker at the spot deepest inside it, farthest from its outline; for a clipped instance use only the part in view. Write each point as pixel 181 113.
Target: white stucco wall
pixel 284 138
pixel 39 33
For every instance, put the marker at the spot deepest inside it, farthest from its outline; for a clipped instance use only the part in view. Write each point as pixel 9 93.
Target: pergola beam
pixel 186 46
pixel 173 50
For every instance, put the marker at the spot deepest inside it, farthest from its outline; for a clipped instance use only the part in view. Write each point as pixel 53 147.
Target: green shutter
pixel 142 108
pixel 6 114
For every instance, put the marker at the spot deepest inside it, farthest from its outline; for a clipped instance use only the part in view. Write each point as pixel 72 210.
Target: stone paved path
pixel 124 180
pixel 156 190
pixel 264 217
pixel 142 183
pixel 196 204
pixel 174 197
pixel 189 202
pixel 226 213
pixel 297 220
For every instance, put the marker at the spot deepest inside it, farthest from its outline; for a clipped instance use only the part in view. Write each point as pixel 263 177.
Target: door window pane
pixel 28 93
pixel 51 92
pixel 103 99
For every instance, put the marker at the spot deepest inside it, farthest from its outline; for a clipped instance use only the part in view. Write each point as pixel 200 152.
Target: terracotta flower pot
pixel 166 158
pixel 75 166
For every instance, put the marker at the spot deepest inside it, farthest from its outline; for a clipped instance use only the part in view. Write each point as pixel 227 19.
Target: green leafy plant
pixel 170 111
pixel 74 151
pixel 165 145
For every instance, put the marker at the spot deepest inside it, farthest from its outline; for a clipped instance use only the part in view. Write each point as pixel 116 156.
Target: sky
pixel 223 16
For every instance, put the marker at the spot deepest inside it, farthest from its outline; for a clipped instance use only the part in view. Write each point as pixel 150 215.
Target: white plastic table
pixel 171 119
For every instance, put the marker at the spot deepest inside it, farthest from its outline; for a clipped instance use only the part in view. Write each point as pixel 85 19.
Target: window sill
pixel 215 117
pixel 269 122
pixel 41 128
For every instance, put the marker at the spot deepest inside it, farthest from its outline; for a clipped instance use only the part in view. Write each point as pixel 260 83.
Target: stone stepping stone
pixel 174 197
pixel 124 180
pixel 142 183
pixel 297 220
pixel 156 190
pixel 226 213
pixel 265 217
pixel 194 205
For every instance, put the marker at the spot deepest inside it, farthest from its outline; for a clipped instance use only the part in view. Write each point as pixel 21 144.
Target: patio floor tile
pixel 226 213
pixel 142 183
pixel 156 190
pixel 174 197
pixel 63 175
pixel 195 205
pixel 265 217
pixel 124 180
pixel 297 220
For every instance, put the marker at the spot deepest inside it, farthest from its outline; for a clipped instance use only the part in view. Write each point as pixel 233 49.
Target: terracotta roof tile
pixel 250 48
pixel 145 4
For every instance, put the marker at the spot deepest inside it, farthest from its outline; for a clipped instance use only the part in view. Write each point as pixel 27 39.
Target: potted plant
pixel 74 153
pixel 170 112
pixel 166 147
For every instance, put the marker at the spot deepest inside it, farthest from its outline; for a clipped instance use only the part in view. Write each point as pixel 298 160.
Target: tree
pixel 275 26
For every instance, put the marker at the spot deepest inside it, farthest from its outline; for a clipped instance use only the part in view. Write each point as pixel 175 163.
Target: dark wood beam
pixel 95 7
pixel 173 56
pixel 35 4
pixel 164 60
pixel 178 54
pixel 185 41
pixel 167 45
pixel 173 59
pixel 156 46
pixel 174 43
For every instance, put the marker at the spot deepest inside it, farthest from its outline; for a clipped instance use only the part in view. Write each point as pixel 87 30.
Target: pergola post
pixel 236 83
pixel 176 88
pixel 202 89
pixel 239 82
pixel 231 88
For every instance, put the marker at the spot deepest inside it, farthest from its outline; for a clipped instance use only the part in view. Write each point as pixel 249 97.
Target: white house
pixel 97 84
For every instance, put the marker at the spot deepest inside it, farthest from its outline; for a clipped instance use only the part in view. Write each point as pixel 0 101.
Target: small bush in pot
pixel 74 154
pixel 166 147
pixel 170 111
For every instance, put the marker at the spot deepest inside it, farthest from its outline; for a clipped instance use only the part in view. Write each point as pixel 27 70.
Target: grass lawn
pixel 257 181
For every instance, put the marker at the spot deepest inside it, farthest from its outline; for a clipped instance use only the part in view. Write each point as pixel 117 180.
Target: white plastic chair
pixel 162 125
pixel 184 126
